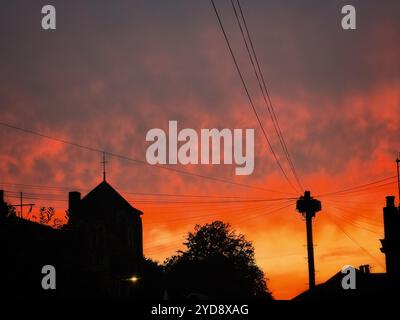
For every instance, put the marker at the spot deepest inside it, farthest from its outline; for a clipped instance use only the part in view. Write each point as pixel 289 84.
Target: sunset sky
pixel 113 70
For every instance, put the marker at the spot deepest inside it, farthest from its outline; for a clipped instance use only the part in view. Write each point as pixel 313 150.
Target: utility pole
pixel 398 177
pixel 308 207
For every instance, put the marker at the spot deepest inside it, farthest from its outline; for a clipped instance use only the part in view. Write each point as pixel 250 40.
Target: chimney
pixel 3 207
pixel 391 242
pixel 74 199
pixel 365 269
pixel 390 202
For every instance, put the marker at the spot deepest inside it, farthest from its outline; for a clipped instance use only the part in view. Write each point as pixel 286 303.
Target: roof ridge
pixel 105 187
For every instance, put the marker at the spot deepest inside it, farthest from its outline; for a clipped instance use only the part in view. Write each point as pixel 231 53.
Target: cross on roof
pixel 104 166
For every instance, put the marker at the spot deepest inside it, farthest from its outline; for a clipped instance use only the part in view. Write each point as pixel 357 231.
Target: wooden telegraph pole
pixel 308 207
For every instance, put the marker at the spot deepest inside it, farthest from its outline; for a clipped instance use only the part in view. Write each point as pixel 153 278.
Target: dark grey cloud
pixel 114 69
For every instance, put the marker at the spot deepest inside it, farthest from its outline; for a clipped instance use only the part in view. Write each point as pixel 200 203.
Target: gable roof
pixel 368 285
pixel 105 197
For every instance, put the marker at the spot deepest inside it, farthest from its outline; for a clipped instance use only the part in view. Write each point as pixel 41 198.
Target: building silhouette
pixel 368 285
pixel 391 242
pixel 98 253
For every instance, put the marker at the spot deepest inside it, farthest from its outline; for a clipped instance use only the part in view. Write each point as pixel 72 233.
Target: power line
pixel 362 192
pixel 237 212
pixel 353 240
pixel 366 186
pixel 242 211
pixel 171 195
pixel 347 202
pixel 249 96
pixel 263 87
pixel 37 198
pixel 356 225
pixel 210 202
pixel 354 211
pixel 188 195
pixel 266 213
pixel 123 157
pixel 223 200
pixel 238 208
pixel 214 205
pixel 362 188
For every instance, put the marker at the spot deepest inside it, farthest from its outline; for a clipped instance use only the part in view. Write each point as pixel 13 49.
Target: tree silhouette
pixel 153 282
pixel 218 264
pixel 46 214
pixel 7 211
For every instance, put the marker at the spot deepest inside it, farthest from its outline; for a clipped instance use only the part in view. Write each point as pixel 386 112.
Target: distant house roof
pixel 105 198
pixel 28 239
pixel 29 227
pixel 368 286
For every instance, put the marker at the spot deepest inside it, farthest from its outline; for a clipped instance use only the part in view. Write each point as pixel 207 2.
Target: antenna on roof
pixel 398 176
pixel 104 166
